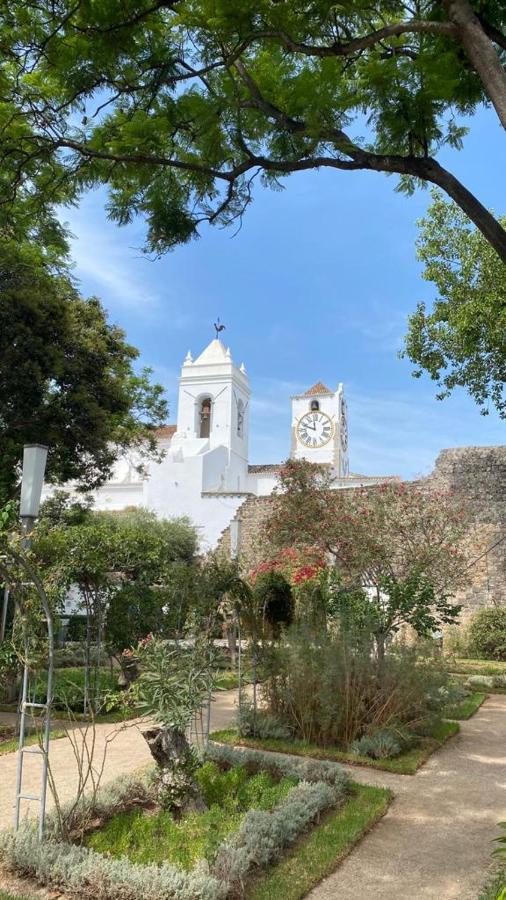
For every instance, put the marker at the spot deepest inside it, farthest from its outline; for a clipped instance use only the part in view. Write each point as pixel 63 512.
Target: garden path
pixel 435 840
pixel 126 751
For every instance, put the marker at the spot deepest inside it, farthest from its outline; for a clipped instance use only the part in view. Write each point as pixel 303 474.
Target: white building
pixel 205 472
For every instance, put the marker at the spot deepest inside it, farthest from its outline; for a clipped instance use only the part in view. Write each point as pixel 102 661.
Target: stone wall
pixel 477 474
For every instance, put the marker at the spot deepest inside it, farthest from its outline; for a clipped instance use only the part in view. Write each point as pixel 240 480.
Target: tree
pixel 401 544
pixel 67 376
pixel 178 105
pixel 461 342
pixel 121 565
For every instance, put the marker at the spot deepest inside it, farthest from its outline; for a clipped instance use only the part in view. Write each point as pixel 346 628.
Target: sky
pixel 317 285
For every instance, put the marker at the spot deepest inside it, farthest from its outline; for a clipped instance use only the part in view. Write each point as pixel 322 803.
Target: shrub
pixel 379 745
pixel 69 691
pixel 311 770
pixel 273 595
pixel 487 633
pixel 331 692
pixel 263 836
pixel 480 682
pixel 259 724
pixel 456 640
pixel 86 874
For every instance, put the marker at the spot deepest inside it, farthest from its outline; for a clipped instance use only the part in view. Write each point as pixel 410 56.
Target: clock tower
pixel 320 427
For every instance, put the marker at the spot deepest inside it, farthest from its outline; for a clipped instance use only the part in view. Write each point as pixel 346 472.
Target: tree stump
pixel 177 789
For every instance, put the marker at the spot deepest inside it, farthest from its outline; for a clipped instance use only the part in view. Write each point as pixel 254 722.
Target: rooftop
pixel 317 389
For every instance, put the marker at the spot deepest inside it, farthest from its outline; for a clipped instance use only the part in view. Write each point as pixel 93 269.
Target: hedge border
pixel 261 839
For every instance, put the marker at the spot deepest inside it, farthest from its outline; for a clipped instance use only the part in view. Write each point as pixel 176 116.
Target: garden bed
pixel 467 707
pixel 9 743
pixel 462 666
pixel 406 763
pixel 264 810
pixel 316 855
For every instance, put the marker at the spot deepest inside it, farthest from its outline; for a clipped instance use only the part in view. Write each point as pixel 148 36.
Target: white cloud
pixel 103 261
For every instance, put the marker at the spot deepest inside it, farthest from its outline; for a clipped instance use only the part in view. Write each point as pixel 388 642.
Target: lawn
pixel 318 853
pixel 467 707
pixel 5 896
pixel 476 666
pixel 406 763
pixel 13 744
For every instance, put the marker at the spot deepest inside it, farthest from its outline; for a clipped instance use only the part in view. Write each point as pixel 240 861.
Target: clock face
pixel 314 430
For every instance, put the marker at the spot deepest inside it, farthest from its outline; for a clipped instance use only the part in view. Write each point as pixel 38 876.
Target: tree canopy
pixel 128 568
pixel 179 105
pixel 387 531
pixel 461 341
pixel 67 376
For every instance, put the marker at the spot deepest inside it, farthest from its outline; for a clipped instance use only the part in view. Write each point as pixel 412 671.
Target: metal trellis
pixel 18 559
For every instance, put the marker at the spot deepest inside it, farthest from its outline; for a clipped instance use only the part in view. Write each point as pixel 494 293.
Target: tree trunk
pixel 177 788
pixel 481 53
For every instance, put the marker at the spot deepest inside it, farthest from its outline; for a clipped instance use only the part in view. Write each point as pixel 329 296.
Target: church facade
pixel 205 472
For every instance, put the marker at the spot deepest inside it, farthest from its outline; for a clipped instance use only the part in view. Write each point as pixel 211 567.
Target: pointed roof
pixel 317 389
pixel 215 352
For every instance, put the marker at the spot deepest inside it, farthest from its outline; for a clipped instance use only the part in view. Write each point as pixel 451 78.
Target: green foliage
pixel 461 341
pixel 330 693
pixel 495 888
pixel 257 723
pixel 404 543
pixel 86 874
pixel 67 377
pixel 273 595
pixel 379 745
pixel 174 681
pixel 500 851
pixel 9 661
pixel 126 565
pixel 406 763
pixel 466 707
pixel 177 108
pixel 319 851
pixel 69 688
pixel 158 838
pixel 487 633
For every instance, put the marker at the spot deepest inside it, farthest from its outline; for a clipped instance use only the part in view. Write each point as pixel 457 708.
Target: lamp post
pixel 34 466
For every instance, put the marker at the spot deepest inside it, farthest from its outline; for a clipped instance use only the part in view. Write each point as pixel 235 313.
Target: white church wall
pixel 214 467
pixel 262 483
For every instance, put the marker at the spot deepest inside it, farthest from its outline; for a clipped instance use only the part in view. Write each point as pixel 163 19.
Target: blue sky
pixel 317 285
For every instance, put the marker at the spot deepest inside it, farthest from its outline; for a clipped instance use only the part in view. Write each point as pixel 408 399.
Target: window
pixel 240 418
pixel 205 417
pixel 315 405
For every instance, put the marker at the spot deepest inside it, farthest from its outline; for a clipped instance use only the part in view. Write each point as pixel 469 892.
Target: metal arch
pixel 20 560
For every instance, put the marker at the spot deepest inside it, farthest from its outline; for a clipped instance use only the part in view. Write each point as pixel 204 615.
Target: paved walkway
pixel 435 840
pixel 126 750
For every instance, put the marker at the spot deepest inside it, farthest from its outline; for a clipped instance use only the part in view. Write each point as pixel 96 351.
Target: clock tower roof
pixel 317 390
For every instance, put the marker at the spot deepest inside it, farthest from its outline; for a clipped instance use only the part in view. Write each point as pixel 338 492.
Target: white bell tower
pixel 213 412
pixel 320 427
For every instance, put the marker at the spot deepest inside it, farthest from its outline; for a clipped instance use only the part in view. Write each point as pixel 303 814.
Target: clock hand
pixel 307 425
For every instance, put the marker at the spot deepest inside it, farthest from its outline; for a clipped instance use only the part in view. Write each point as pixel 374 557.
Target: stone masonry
pixel 478 475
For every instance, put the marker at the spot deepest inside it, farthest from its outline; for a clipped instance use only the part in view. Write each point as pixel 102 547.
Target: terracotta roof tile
pixel 166 431
pixel 318 388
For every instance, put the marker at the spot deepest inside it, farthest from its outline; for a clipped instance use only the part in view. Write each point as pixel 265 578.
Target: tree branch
pixel 338 48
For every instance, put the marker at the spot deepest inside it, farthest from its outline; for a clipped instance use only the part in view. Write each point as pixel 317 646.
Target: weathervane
pixel 218 327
